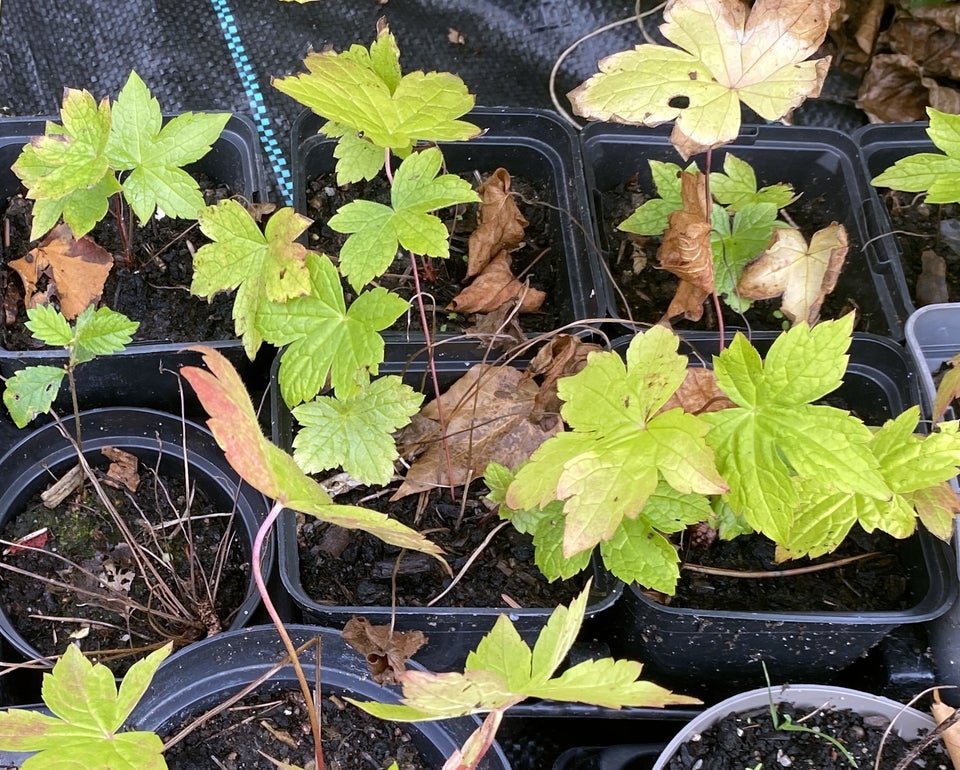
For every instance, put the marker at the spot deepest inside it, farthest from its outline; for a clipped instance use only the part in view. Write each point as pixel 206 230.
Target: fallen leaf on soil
pixel 564 356
pixel 803 275
pixel 500 224
pixel 868 25
pixel 386 649
pixel 36 539
pixel 948 389
pixel 77 268
pixel 945 16
pixel 494 286
pixel 951 736
pixel 122 469
pixel 685 250
pixel 698 393
pixel 936 50
pixel 500 326
pixel 488 415
pixel 932 282
pixel 895 89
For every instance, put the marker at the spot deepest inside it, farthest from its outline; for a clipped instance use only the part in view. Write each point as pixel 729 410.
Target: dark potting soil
pixel 343 567
pixel 648 289
pixel 155 290
pixel 749 740
pixel 536 259
pixel 102 568
pixel 919 225
pixel 871 584
pixel 275 722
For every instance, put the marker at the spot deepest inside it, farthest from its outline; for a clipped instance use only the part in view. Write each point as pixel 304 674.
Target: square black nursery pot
pixel 822 166
pixel 533 145
pixel 714 653
pixel 452 632
pixel 144 374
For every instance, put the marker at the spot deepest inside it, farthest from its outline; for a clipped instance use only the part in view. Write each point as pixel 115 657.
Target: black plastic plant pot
pixel 205 674
pixel 623 757
pixel 159 440
pixel 820 163
pixel 136 376
pixel 712 653
pixel 906 722
pixel 453 632
pixel 531 144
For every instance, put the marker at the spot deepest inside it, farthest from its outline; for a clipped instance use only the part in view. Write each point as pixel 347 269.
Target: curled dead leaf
pixel 500 225
pixel 495 286
pixel 698 393
pixel 896 89
pixel 122 469
pixel 563 356
pixel 75 270
pixel 936 50
pixel 685 250
pixel 385 648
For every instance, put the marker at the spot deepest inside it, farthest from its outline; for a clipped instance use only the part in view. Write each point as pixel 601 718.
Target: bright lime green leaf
pixel 936 175
pixel 88 714
pixel 49 326
pixel 357 158
pixel 155 154
pixel 618 450
pixel 101 332
pixel 638 553
pixel 735 245
pixel 775 433
pixel 504 672
pixel 355 432
pixel 548 542
pixel 272 471
pixel 365 93
pixel 66 171
pixel 729 54
pixel 32 391
pixel 265 266
pixel 737 186
pixel 652 216
pixel 377 230
pixel 325 338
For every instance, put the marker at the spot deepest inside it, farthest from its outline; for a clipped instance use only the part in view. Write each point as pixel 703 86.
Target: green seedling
pixel 504 671
pixel 936 174
pixel 77 168
pixel 626 474
pixel 85 728
pixel 32 391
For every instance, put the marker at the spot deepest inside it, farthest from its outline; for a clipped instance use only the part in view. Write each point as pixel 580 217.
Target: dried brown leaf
pixel 495 286
pixel 891 90
pixel 488 414
pixel 698 393
pixel 685 250
pixel 948 390
pixel 931 285
pixel 944 16
pixel 803 275
pixel 563 356
pixel 122 470
pixel 500 225
pixel 951 736
pixel 868 24
pixel 386 649
pixel 75 269
pixel 936 50
pixel 500 326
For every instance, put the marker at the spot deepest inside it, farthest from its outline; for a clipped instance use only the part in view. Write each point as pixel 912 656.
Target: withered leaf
pixel 499 326
pixel 488 418
pixel 803 275
pixel 698 393
pixel 563 356
pixel 936 50
pixel 685 250
pixel 494 286
pixel 122 469
pixel 891 90
pixel 386 650
pixel 77 269
pixel 931 287
pixel 500 225
pixel 948 390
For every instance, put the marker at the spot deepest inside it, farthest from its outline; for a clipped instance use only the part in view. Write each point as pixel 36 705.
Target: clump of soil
pixel 154 290
pixel 275 722
pixel 351 568
pixel 648 289
pixel 97 576
pixel 867 585
pixel 918 224
pixel 537 259
pixel 749 740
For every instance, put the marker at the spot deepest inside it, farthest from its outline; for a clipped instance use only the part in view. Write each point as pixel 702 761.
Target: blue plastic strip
pixel 258 107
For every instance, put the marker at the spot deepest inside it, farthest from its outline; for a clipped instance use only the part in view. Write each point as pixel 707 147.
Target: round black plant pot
pixel 158 439
pixel 203 675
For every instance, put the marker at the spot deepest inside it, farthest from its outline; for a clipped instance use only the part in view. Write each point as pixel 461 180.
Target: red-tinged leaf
pixel 36 539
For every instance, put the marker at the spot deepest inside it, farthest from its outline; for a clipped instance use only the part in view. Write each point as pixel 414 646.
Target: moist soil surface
pixel 536 259
pixel 276 723
pixel 920 224
pixel 350 568
pixel 749 740
pixel 103 570
pixel 870 584
pixel 648 289
pixel 154 290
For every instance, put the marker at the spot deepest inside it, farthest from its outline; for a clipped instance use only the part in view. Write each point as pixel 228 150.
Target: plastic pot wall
pixel 453 632
pixel 204 674
pixel 907 722
pixel 820 163
pixel 534 144
pixel 140 375
pixel 711 653
pixel 26 469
